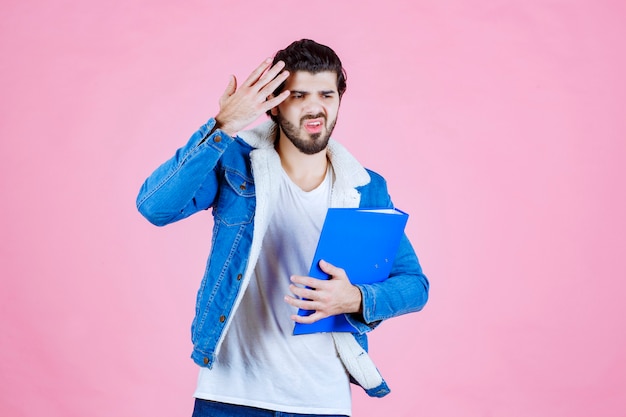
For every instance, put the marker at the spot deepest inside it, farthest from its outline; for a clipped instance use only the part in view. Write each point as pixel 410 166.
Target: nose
pixel 313 105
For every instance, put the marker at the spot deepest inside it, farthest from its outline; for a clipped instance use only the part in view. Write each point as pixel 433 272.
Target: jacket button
pixel 206 361
pixel 222 319
pixel 218 139
pixel 239 277
pixel 242 186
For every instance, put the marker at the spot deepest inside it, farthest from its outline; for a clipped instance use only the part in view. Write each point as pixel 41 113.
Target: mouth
pixel 314 125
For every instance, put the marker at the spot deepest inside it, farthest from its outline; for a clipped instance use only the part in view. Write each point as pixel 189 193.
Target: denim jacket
pixel 237 178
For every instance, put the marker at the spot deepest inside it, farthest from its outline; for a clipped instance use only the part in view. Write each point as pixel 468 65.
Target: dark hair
pixel 310 56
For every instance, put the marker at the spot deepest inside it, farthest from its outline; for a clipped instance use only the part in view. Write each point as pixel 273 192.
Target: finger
pixel 275 101
pixel 308 319
pixel 274 83
pixel 331 269
pixel 230 88
pixel 306 293
pixel 258 72
pixel 301 304
pixel 312 283
pixel 275 71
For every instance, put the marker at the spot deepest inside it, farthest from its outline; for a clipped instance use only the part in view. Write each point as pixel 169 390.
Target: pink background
pixel 500 125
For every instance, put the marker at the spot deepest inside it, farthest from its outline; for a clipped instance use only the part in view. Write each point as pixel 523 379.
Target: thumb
pixel 329 268
pixel 230 88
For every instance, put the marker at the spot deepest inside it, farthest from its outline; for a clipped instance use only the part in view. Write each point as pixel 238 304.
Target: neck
pixel 306 171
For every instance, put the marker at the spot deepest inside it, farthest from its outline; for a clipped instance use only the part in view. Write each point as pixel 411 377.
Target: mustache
pixel 313 116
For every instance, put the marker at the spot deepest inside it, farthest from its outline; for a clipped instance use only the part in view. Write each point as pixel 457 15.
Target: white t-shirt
pixel 261 364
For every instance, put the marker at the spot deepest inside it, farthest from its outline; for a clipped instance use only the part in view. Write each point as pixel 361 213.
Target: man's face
pixel 308 116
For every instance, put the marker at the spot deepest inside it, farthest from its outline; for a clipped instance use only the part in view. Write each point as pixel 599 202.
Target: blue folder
pixel 363 242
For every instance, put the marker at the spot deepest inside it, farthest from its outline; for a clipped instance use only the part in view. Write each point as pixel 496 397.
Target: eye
pixel 297 95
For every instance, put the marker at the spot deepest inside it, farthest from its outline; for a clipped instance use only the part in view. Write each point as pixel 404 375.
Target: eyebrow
pixel 308 92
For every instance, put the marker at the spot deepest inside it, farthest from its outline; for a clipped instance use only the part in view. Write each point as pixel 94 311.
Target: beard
pixel 316 142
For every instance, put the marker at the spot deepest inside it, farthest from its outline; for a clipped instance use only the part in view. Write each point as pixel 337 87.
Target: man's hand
pixel 240 107
pixel 326 297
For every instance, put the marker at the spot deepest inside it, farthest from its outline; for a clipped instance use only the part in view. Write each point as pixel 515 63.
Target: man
pixel 269 189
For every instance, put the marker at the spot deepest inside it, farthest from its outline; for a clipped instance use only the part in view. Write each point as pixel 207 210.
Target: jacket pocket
pixel 236 201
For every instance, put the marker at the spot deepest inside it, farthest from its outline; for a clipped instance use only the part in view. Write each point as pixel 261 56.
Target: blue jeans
pixel 203 408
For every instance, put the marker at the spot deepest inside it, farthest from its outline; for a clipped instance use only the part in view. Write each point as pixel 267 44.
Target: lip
pixel 314 125
pixel 318 120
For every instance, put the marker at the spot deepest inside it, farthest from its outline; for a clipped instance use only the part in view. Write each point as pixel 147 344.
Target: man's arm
pixel 405 291
pixel 187 182
pixel 366 305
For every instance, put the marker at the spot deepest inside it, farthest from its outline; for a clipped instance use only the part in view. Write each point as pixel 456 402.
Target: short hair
pixel 310 56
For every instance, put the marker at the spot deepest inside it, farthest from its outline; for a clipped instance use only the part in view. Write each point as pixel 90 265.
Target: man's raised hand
pixel 241 106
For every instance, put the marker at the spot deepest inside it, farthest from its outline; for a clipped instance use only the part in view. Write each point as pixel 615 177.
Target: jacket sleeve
pixel 406 289
pixel 186 183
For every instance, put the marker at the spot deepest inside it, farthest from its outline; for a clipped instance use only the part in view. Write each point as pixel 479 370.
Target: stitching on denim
pixel 217 285
pixel 195 149
pixel 169 176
